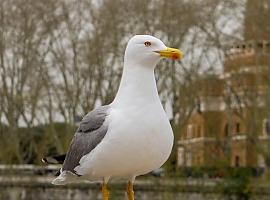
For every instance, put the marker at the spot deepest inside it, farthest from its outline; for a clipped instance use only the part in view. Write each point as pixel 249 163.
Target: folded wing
pixel 90 133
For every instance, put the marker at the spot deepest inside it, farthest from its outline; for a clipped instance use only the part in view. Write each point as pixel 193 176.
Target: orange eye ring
pixel 147 43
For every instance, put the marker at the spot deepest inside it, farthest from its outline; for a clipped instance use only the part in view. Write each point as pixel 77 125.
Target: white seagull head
pixel 146 51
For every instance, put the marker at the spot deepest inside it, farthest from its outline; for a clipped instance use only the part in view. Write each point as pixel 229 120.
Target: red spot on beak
pixel 175 56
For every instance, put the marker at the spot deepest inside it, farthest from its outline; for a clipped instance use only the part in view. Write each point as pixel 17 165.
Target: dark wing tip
pixel 44 160
pixel 59 159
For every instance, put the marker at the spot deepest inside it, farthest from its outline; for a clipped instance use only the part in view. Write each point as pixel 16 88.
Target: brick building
pixel 220 128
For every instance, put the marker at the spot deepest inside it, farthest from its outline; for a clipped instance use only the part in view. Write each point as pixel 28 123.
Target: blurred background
pixel 61 58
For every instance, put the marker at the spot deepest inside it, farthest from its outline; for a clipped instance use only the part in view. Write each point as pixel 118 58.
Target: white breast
pixel 134 145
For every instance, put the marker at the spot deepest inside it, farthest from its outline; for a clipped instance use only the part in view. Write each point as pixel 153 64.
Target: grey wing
pixel 89 134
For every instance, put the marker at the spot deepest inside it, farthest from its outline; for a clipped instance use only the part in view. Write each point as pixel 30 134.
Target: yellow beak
pixel 172 53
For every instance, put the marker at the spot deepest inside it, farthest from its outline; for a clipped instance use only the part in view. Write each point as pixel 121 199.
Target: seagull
pixel 131 136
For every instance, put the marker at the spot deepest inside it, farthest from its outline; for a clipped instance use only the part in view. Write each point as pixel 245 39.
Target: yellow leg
pixel 130 192
pixel 105 192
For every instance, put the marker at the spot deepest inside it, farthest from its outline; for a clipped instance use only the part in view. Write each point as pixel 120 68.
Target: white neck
pixel 137 86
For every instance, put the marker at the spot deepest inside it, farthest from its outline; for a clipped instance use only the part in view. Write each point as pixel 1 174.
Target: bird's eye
pixel 147 43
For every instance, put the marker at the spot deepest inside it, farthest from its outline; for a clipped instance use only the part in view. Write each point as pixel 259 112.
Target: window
pixel 266 127
pixel 237 161
pixel 226 130
pixel 237 127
